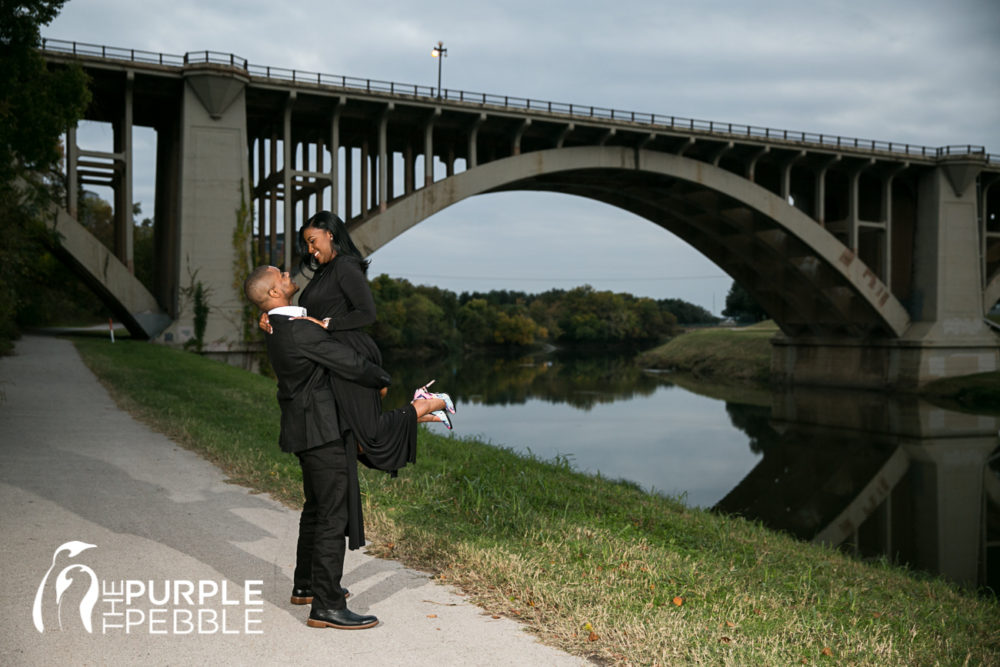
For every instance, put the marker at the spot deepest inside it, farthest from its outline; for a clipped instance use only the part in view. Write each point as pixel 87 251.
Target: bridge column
pixel 288 192
pixel 335 157
pixel 166 226
pixel 946 305
pixel 429 147
pixel 214 176
pixel 473 160
pixel 124 225
pixel 72 184
pixel 383 158
pixel 947 335
pixel 947 501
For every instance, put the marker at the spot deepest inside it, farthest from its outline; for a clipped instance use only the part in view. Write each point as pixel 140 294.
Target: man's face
pixel 282 281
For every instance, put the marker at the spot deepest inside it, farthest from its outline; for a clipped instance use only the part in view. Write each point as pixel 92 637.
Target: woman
pixel 339 298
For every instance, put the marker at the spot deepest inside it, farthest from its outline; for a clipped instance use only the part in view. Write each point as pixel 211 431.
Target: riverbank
pixel 741 354
pixel 593 566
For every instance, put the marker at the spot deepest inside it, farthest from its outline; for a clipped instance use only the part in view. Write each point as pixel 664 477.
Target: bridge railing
pixel 215 58
pixel 112 52
pixel 583 111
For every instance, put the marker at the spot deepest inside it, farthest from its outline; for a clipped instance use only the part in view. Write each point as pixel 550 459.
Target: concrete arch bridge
pixel 877 260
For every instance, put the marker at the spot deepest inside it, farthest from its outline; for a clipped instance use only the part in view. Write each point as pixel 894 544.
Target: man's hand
pixel 265 323
pixel 382 392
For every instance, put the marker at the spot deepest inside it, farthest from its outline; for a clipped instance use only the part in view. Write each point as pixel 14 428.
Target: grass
pixel 717 353
pixel 596 567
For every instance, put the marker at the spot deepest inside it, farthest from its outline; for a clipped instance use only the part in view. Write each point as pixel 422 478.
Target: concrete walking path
pixel 176 551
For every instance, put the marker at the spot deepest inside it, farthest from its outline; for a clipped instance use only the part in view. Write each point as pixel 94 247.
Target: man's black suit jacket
pixel 302 354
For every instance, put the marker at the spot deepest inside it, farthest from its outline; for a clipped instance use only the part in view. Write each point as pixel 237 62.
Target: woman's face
pixel 319 244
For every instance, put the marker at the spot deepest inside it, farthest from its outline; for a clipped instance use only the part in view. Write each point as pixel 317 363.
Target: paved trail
pixel 76 468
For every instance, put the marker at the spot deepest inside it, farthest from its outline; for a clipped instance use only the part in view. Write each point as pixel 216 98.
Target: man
pixel 302 354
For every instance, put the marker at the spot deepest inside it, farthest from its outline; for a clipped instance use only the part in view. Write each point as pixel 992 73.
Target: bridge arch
pixel 807 280
pixel 106 276
pixel 991 295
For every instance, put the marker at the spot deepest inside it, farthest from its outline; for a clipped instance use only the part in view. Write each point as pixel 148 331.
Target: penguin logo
pixel 63 581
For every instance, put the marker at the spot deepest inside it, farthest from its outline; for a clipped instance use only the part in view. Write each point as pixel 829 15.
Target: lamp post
pixel 440 53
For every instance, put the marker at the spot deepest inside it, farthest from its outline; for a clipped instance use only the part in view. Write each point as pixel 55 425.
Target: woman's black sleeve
pixel 359 294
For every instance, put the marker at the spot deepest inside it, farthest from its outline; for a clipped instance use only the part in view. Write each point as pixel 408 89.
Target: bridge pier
pixel 211 141
pixel 947 335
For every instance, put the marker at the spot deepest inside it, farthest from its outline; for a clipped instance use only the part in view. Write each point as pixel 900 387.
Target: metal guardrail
pixel 651 120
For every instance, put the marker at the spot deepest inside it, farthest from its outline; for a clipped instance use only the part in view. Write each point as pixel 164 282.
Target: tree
pixel 741 306
pixel 686 312
pixel 36 105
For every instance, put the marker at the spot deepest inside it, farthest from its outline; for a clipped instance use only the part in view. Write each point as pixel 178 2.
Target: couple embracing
pixel 330 386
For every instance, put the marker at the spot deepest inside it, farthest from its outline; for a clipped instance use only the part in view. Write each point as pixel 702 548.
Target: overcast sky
pixel 916 71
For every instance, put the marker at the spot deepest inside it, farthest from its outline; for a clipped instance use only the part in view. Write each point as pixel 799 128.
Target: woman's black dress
pixel 339 290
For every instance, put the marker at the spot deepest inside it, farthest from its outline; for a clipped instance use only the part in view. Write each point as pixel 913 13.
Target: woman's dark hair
pixel 342 242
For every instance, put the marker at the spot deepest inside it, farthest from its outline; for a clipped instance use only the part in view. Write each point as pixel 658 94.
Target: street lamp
pixel 440 53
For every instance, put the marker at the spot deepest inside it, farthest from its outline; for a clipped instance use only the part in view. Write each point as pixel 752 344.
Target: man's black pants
pixel 319 561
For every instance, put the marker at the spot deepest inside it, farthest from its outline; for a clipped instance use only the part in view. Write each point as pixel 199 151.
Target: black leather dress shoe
pixel 342 619
pixel 305 595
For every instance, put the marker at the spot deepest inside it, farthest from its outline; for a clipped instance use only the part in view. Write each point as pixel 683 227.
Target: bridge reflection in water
pixel 877 475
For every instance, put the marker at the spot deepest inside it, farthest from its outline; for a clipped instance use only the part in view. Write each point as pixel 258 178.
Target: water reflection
pixel 876 474
pixel 881 475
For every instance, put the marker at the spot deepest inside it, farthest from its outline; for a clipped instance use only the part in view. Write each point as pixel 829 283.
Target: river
pixel 875 474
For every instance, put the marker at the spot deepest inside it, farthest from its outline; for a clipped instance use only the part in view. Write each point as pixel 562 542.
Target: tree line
pixel 417 316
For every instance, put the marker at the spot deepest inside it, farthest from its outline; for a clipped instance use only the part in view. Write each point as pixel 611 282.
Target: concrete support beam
pixel 946 285
pixel 366 180
pixel 853 204
pixel 726 147
pixel 383 157
pixel 449 164
pixel 429 147
pixel 213 169
pixel 473 160
pixel 515 144
pixel 786 175
pixel 261 198
pixel 348 183
pixel 72 184
pixel 409 169
pixel 273 209
pixel 390 176
pixel 335 156
pixel 124 225
pixel 301 185
pixel 287 167
pixel 565 133
pixel 114 284
pixel 752 164
pixel 820 213
pixel 887 180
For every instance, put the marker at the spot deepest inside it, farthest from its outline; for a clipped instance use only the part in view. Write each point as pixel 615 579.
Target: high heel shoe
pixel 422 393
pixel 442 417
